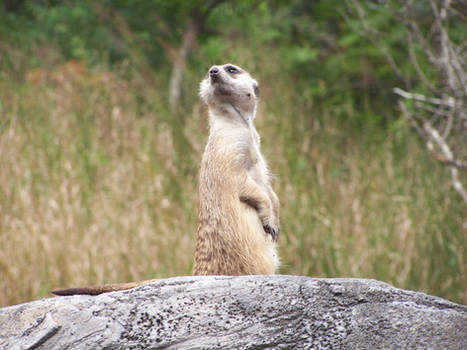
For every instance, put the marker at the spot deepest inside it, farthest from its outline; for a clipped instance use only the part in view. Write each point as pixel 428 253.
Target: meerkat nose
pixel 213 71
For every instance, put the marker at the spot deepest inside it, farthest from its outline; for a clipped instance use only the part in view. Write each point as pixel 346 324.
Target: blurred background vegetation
pixel 102 131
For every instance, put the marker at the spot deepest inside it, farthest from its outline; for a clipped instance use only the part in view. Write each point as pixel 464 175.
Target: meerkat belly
pixel 259 247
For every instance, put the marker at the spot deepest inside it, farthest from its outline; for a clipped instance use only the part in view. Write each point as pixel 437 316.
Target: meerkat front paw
pixel 274 232
pixel 271 225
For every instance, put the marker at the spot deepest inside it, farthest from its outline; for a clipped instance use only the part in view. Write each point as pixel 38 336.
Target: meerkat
pixel 238 210
pixel 238 218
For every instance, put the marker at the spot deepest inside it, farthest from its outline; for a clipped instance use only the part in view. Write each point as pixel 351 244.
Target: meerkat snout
pixel 214 71
pixel 214 75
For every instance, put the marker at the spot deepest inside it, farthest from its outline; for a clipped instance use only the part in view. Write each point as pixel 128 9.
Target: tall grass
pixel 98 184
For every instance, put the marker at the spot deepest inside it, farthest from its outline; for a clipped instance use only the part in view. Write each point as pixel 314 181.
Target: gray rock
pixel 246 312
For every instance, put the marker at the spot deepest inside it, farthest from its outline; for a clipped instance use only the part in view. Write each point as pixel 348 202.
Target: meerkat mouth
pixel 215 79
pixel 221 87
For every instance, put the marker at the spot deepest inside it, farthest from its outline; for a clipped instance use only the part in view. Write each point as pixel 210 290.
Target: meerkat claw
pixel 274 233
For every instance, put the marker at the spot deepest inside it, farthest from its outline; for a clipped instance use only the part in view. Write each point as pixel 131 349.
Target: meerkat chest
pixel 258 169
pixel 237 146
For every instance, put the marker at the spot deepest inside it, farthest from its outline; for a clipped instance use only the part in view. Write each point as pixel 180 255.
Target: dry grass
pixel 98 183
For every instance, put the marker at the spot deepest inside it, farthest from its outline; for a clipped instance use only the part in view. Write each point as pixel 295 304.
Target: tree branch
pixel 450 102
pixel 447 152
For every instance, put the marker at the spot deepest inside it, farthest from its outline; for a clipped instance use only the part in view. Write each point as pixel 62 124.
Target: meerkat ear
pixel 256 89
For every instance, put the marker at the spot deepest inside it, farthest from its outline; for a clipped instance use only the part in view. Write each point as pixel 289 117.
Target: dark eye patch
pixel 232 70
pixel 256 89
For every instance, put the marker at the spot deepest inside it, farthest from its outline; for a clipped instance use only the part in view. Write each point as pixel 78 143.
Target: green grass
pixel 98 184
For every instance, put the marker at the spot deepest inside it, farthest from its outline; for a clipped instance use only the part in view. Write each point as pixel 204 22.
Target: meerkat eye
pixel 232 69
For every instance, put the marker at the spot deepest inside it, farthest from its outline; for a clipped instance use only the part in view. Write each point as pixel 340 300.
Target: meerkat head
pixel 230 88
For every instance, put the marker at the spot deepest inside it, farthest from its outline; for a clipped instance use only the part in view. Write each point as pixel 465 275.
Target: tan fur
pixel 238 210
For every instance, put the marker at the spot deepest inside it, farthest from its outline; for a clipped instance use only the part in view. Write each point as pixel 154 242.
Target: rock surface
pixel 246 312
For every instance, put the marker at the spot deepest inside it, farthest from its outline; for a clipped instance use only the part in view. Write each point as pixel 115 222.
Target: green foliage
pixel 335 66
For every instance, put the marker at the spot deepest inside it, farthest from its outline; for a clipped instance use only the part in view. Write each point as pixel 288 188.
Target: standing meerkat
pixel 238 219
pixel 239 211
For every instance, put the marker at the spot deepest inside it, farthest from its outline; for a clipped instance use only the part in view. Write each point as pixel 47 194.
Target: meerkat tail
pixel 96 290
